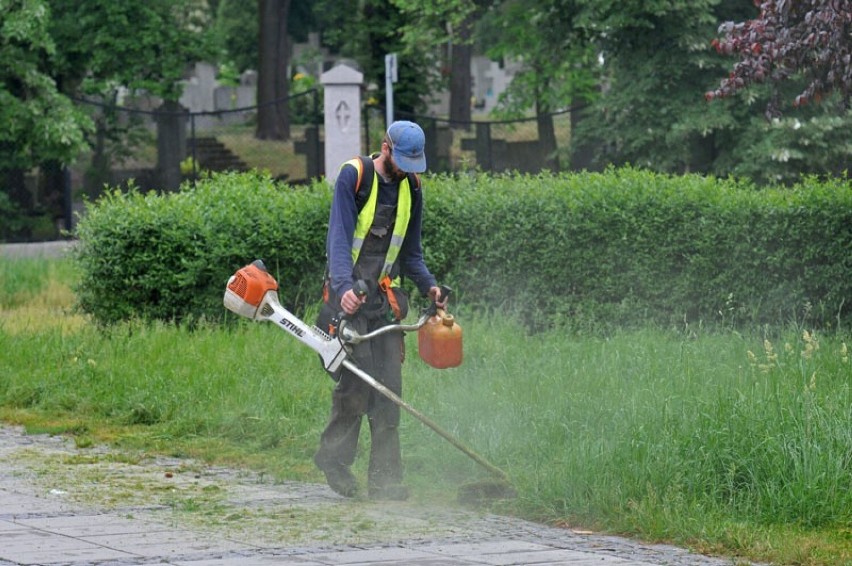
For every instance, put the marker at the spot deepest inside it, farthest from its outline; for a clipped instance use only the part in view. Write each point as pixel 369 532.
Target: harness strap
pixel 386 286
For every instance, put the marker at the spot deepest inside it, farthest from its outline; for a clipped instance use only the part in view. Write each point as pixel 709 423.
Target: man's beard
pixel 393 172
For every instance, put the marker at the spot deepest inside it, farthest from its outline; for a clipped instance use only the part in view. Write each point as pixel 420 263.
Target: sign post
pixel 390 78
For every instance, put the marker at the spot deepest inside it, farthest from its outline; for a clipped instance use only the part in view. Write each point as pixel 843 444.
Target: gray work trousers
pixel 352 398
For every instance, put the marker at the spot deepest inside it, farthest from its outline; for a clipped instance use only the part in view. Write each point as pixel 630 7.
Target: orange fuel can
pixel 439 341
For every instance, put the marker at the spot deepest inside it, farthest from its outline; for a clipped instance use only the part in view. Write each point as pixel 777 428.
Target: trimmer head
pixel 249 289
pixel 485 491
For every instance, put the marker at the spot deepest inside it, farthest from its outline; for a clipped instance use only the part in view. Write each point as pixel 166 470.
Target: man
pixel 374 237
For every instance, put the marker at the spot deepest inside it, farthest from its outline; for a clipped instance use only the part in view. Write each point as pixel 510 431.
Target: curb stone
pixel 64 506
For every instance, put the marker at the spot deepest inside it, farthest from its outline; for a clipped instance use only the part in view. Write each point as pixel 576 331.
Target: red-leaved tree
pixel 811 39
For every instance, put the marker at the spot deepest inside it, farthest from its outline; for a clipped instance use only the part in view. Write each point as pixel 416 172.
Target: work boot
pixel 341 480
pixel 389 492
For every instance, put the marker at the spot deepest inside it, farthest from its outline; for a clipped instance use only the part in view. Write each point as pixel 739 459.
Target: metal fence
pixel 498 145
pixel 158 146
pixel 137 143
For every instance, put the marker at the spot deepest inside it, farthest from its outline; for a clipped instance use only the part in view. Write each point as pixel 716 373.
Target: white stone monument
pixel 342 110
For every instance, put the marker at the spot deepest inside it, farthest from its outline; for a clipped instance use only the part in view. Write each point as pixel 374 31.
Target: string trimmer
pixel 253 293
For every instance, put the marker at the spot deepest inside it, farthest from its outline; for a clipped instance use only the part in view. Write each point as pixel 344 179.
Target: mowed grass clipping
pixel 727 443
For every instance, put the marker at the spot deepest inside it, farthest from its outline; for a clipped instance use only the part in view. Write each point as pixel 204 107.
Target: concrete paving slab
pixel 36 538
pixel 33 546
pixel 19 505
pixel 485 547
pixel 84 525
pixel 421 562
pixel 159 543
pixel 59 248
pixel 372 556
pixel 251 561
pixel 42 557
pixel 9 527
pixel 240 520
pixel 550 556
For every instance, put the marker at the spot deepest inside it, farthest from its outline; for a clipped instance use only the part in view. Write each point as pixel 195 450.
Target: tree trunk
pixel 461 84
pixel 273 82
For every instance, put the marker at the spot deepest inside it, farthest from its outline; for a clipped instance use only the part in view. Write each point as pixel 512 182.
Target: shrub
pixel 168 257
pixel 586 250
pixel 628 246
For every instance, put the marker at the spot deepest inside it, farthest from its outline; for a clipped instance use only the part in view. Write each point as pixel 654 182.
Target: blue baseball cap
pixel 407 146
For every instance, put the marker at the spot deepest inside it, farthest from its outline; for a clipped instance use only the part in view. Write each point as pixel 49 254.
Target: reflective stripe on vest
pixel 365 221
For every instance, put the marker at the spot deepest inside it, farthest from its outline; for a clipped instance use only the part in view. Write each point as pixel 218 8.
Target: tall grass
pixel 729 442
pixel 649 421
pixel 243 385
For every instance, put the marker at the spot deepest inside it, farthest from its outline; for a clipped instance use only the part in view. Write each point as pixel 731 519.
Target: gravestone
pixel 342 111
pixel 197 94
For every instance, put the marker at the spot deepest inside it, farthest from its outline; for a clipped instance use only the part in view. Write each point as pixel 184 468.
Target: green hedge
pixel 168 257
pixel 584 250
pixel 629 246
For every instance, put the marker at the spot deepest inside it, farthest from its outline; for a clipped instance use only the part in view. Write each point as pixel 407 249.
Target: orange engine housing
pixel 251 283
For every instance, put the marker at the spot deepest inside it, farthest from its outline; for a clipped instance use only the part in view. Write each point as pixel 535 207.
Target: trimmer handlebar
pixel 349 336
pixel 253 293
pixel 360 288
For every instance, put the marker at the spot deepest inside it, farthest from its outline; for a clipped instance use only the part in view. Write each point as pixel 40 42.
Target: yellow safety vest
pixel 365 221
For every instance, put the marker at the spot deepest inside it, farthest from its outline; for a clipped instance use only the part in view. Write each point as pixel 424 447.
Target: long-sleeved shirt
pixel 341 232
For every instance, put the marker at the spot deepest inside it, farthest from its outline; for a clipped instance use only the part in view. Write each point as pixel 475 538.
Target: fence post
pixel 582 156
pixel 312 148
pixel 171 144
pixel 67 199
pixel 483 146
pixel 366 113
pixel 194 148
pixel 430 128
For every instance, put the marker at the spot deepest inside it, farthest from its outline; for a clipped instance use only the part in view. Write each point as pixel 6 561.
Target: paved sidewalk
pixel 58 248
pixel 61 505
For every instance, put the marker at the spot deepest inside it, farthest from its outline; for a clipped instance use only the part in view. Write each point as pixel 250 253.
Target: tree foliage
pixel 236 34
pixel 556 57
pixel 38 122
pixel 110 47
pixel 446 26
pixel 364 35
pixel 808 38
pixel 645 65
pixel 142 46
pixel 653 54
pixel 236 30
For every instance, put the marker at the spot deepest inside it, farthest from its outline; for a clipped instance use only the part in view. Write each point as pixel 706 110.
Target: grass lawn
pixel 730 443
